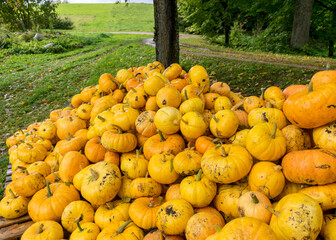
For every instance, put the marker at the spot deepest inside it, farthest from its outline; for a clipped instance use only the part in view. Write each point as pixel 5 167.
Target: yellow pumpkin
pixel 121 230
pixel 43 230
pixel 12 206
pixel 198 190
pixel 153 84
pixel 275 96
pixel 296 138
pixel 167 120
pixel 267 114
pixel 192 105
pixel 222 103
pixel 173 215
pixel 117 141
pixel 328 231
pixel 239 138
pixel 325 136
pixel 161 168
pixel 226 163
pixel 133 165
pixel 193 125
pixel 325 195
pixel 168 96
pixel 199 77
pixel 266 142
pixel 187 162
pixel 224 123
pixel 144 187
pixel 86 231
pixel 296 216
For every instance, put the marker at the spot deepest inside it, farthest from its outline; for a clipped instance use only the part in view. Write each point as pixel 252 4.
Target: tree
pixel 301 23
pixel 166 34
pixel 27 14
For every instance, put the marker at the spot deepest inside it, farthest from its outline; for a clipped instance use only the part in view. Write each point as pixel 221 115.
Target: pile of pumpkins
pixel 161 153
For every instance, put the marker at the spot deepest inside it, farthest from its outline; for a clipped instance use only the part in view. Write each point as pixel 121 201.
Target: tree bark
pixel 166 35
pixel 301 23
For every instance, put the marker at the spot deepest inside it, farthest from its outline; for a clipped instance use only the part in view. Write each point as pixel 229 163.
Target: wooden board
pixel 14 231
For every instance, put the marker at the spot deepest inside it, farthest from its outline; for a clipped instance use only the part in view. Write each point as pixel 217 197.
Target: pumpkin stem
pixel 277 168
pixel 255 200
pixel 161 135
pixel 147 174
pixel 126 200
pixel 57 177
pixel 199 175
pixel 186 95
pixel 122 227
pixel 151 202
pixel 274 131
pixel 22 168
pixel 186 122
pixel 272 210
pixel 77 222
pixel 40 229
pixel 94 174
pixel 216 140
pixel 310 87
pixel 133 89
pixel 268 105
pixel 101 118
pixel 262 93
pixel 118 128
pixel 171 165
pixel 216 227
pixel 48 189
pixel 223 152
pixel 237 105
pixel 11 193
pixel 202 89
pixel 109 205
pixel 215 118
pixel 29 145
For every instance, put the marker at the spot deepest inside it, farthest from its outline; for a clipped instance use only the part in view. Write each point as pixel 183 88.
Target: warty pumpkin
pixel 133 165
pixel 328 227
pixel 144 187
pixel 44 230
pixel 224 123
pixel 275 96
pixel 325 136
pixel 117 141
pixel 187 162
pixel 86 231
pixel 145 124
pixel 121 230
pixel 296 138
pixel 325 195
pixel 13 206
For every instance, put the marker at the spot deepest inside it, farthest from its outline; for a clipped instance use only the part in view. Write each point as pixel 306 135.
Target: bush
pixel 62 23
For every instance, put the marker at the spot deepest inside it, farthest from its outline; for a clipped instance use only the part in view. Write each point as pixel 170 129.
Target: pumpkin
pixel 12 206
pixel 253 102
pixel 267 114
pixel 133 165
pixel 325 195
pixel 117 141
pixel 71 144
pixel 296 216
pixel 28 185
pixel 289 188
pixel 47 130
pixel 315 166
pixel 267 178
pixel 239 138
pixel 143 211
pixel 31 152
pixel 94 150
pixel 266 142
pixel 313 107
pixel 43 230
pixel 203 143
pixel 221 88
pixel 226 163
pixel 226 200
pixel 69 125
pixel 168 96
pixel 222 103
pixel 246 228
pixel 136 97
pixel 101 183
pixel 210 99
pixel 200 225
pixel 124 117
pixel 163 143
pixel 167 120
pixel 118 94
pixel 50 202
pixel 87 93
pixel 187 162
pixel 328 227
pixel 172 71
pixel 173 215
pixel 173 192
pixel 198 190
pixel 156 234
pixel 199 77
pixel 144 187
pixel 192 105
pixel 151 104
pixel 112 157
pixel 71 164
pixel 76 212
pixel 161 168
pixel 324 136
pixel 323 77
pixel 84 111
pixel 191 91
pixel 296 138
pixel 145 125
pixel 252 204
pixel 193 125
pixel 135 82
pixel 102 104
pixel 153 84
pixel 224 123
pixel 275 96
pixel 124 191
pixel 86 231
pixel 292 89
pixel 39 167
pixel 121 230
pixel 123 76
pixel 111 212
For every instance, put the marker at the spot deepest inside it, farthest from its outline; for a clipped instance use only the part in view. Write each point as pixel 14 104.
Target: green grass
pixel 109 17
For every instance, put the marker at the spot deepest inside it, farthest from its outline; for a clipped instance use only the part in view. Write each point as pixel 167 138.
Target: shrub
pixel 62 23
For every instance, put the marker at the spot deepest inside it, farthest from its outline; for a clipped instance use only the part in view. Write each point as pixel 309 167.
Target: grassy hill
pixel 109 17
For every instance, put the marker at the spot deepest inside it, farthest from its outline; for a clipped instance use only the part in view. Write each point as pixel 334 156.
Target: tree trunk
pixel 227 34
pixel 331 48
pixel 166 35
pixel 301 23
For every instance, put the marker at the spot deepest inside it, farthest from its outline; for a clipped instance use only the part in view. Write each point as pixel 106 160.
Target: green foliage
pixel 21 15
pixel 62 23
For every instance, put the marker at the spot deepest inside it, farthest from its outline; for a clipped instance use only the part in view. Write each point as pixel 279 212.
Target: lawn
pixel 109 17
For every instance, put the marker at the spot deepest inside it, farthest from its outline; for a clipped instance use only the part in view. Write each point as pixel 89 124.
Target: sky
pixel 108 1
